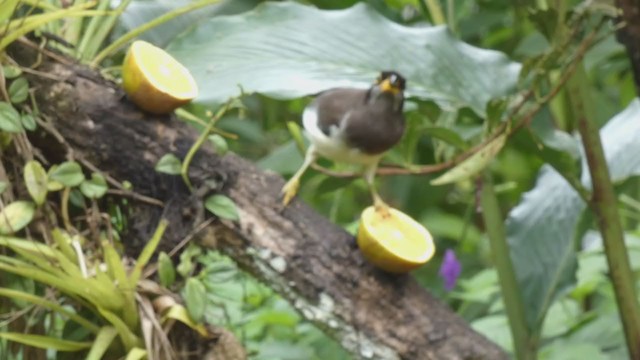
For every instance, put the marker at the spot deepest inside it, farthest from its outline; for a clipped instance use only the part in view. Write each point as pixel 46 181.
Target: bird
pixel 353 125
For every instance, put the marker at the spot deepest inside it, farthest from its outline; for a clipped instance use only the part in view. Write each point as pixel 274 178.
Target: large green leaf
pixel 140 12
pixel 287 50
pixel 542 229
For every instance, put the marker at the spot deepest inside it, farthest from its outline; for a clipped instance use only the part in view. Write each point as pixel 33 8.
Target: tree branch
pixel 629 34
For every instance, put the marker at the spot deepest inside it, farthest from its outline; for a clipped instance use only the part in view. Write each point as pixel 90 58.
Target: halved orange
pixel 393 241
pixel 154 80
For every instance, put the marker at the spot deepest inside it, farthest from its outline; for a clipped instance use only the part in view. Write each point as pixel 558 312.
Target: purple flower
pixel 450 269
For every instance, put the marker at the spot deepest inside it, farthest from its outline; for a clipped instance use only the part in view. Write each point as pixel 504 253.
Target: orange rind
pixel 154 80
pixel 393 241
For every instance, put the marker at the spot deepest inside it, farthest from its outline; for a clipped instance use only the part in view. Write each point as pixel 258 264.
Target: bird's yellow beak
pixel 386 86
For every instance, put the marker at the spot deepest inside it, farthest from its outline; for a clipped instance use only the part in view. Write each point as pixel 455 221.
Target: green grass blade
pixel 63 240
pixel 95 23
pixel 7 10
pixel 124 39
pixel 90 49
pixel 148 251
pixel 136 354
pixel 40 301
pixel 72 29
pixel 27 245
pixel 39 20
pixel 119 275
pixel 45 342
pixel 102 342
pixel 129 339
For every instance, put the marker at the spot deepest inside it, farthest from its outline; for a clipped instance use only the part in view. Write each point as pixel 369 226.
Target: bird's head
pixel 391 82
pixel 388 89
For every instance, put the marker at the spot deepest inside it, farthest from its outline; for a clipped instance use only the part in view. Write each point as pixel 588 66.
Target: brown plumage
pixel 370 125
pixel 355 126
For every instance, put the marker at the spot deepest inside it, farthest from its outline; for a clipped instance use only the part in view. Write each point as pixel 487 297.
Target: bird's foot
pixel 289 190
pixel 381 207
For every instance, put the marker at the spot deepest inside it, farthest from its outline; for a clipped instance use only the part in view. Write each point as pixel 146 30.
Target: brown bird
pixel 355 126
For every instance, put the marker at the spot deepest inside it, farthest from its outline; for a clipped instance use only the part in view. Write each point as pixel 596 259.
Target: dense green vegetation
pixel 525 86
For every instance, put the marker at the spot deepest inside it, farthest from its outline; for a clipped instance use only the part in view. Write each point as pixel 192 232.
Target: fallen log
pixel 311 262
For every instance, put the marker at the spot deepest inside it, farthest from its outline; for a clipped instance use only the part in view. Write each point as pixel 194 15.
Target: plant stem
pixel 604 206
pixel 525 347
pixel 184 171
pixel 435 10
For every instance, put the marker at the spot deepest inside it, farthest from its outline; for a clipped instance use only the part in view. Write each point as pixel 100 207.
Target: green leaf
pixel 76 198
pixel 35 177
pixel 69 174
pixel 166 271
pixel 447 135
pixel 545 21
pixel 9 118
pixel 3 186
pixel 136 354
pixel 496 328
pixel 566 350
pixel 19 90
pixel 29 122
pixel 495 109
pixel 45 342
pixel 147 251
pixel 544 228
pixel 264 51
pixel 219 144
pixel 28 297
pixel 95 187
pixel 11 71
pixel 331 184
pixel 178 312
pixel 101 343
pixel 169 164
pixel 473 164
pixel 555 147
pixel 139 13
pixel 16 216
pixel 195 296
pixel 222 207
pixel 186 266
pixel 285 159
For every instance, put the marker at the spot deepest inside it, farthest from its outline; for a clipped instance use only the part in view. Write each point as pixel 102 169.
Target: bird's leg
pixel 378 203
pixel 290 189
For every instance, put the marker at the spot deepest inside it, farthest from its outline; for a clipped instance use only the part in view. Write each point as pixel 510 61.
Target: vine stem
pixel 184 171
pixel 524 345
pixel 604 205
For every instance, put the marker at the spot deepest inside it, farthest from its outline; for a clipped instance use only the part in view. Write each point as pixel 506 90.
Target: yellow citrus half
pixel 154 80
pixel 393 241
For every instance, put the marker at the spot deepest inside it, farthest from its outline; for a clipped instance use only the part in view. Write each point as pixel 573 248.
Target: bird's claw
pixel 289 191
pixel 381 207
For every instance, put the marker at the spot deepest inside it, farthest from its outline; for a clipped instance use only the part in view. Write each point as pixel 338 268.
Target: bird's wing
pixel 334 105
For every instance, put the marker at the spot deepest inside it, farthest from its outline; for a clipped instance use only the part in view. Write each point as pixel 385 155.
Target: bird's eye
pixel 393 79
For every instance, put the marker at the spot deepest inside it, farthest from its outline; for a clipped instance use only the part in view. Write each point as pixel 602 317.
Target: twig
pixel 523 121
pixel 136 196
pixel 114 182
pixel 58 58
